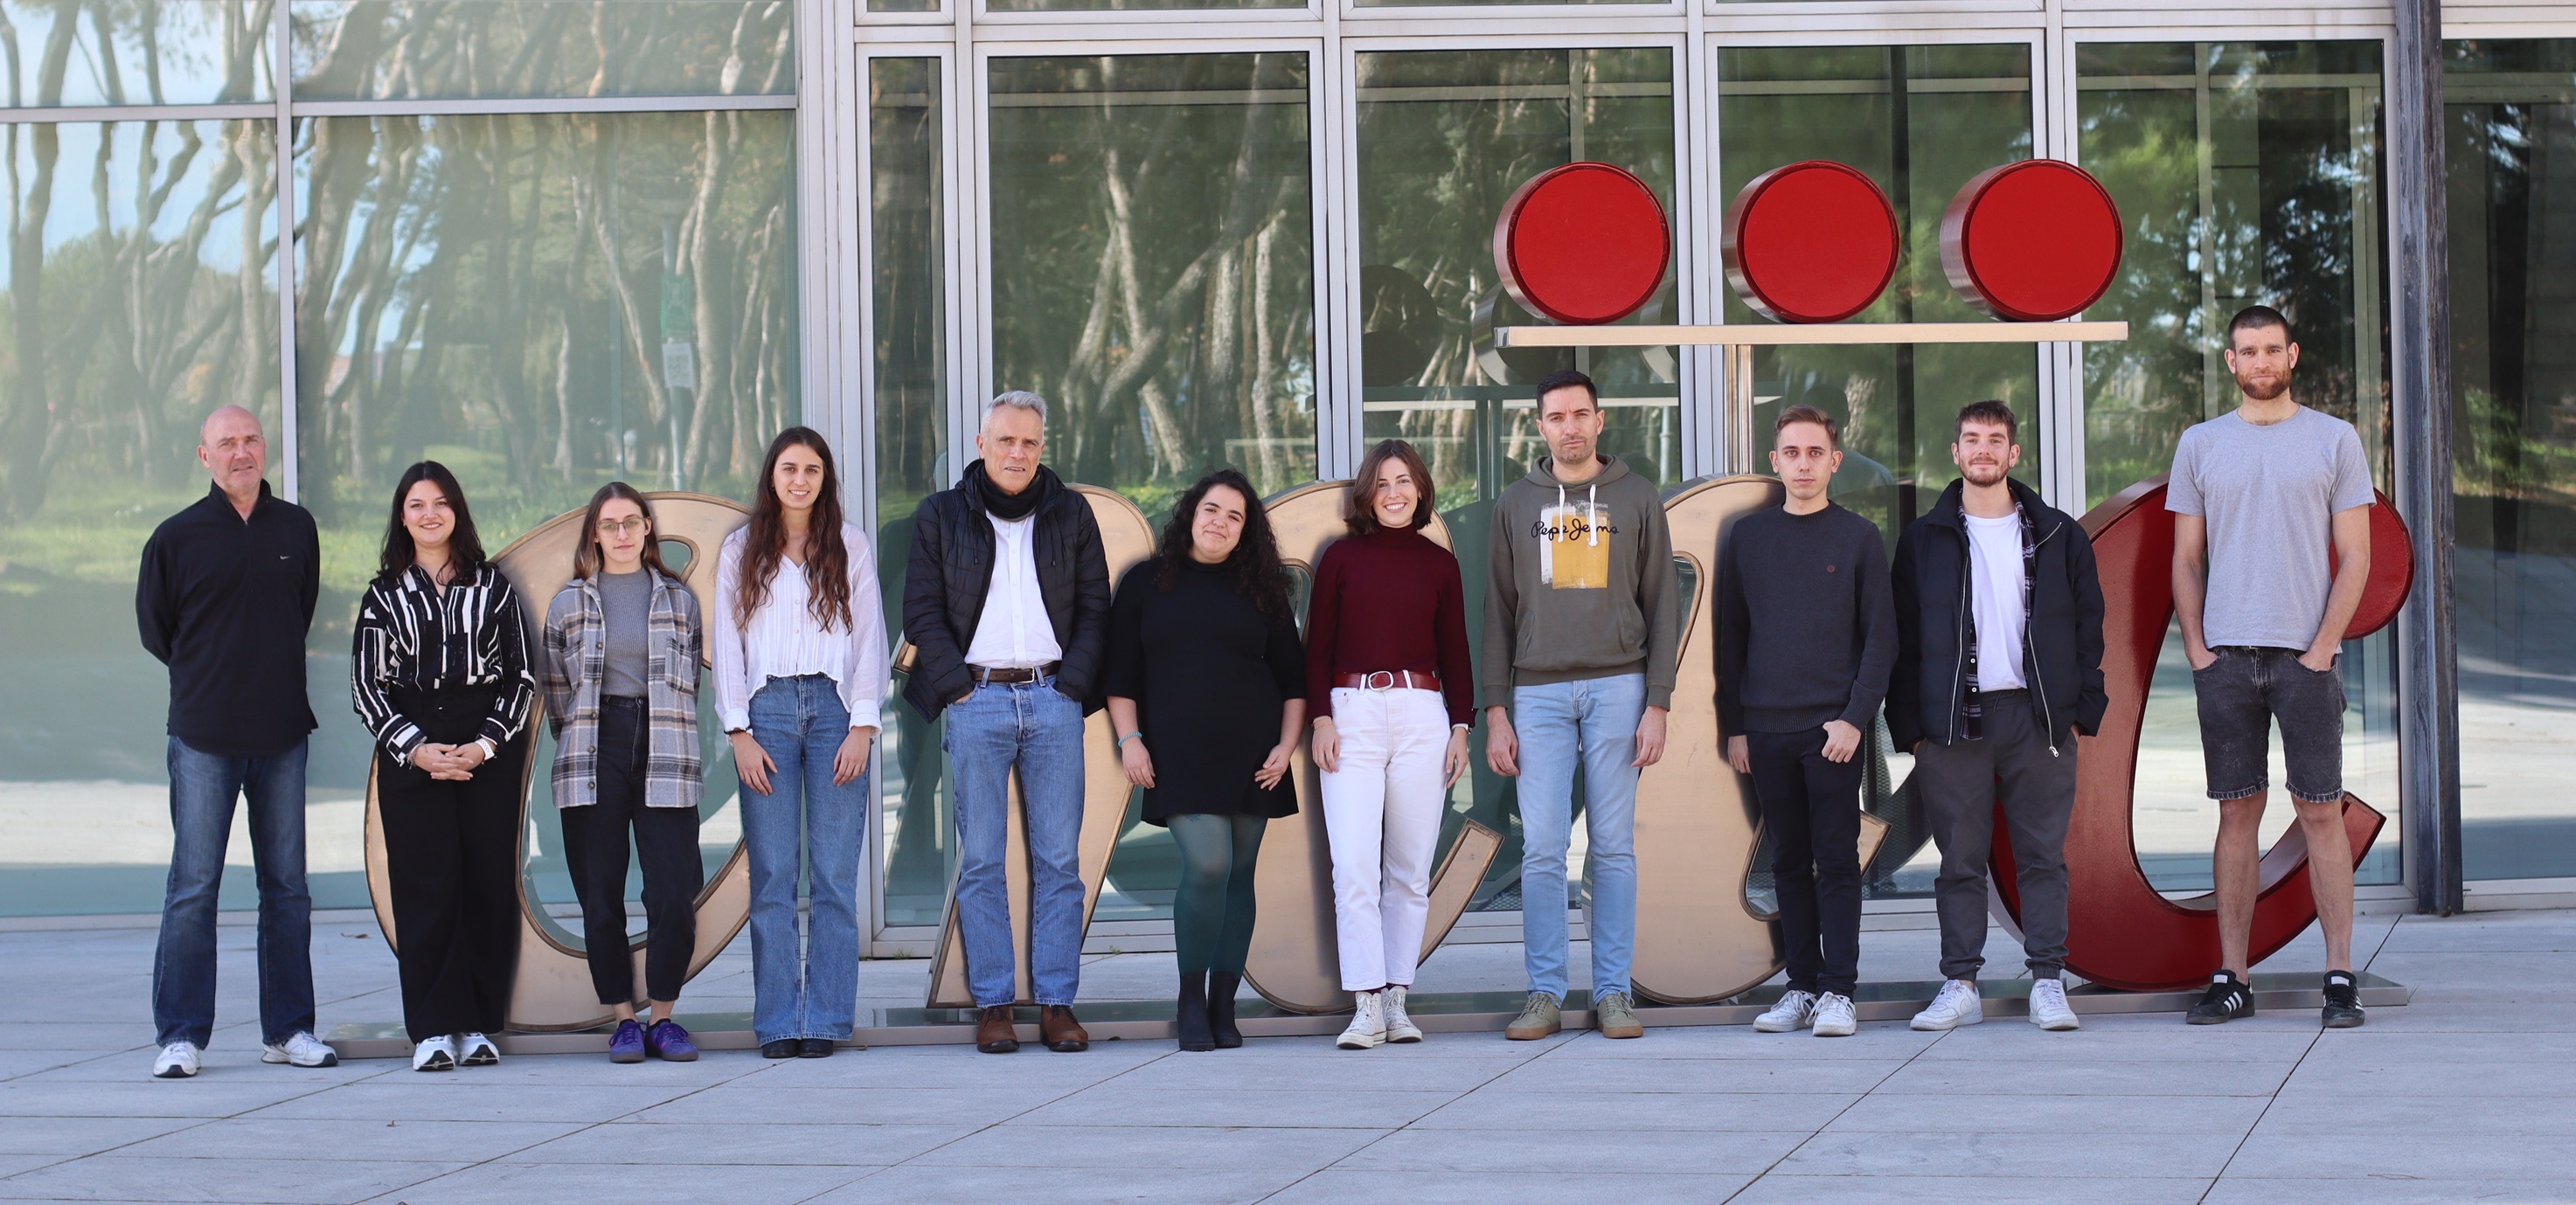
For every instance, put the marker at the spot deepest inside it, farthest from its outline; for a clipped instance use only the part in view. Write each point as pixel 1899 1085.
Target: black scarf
pixel 1009 508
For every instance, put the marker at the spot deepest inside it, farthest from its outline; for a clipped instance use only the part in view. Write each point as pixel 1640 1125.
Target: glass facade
pixel 555 243
pixel 2244 173
pixel 2511 134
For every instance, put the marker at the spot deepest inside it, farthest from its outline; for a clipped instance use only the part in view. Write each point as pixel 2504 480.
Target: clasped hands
pixel 448 763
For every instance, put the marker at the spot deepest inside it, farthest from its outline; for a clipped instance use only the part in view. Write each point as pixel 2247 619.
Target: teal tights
pixel 1212 913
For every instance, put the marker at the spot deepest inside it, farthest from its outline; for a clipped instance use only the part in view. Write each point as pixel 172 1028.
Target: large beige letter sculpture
pixel 553 989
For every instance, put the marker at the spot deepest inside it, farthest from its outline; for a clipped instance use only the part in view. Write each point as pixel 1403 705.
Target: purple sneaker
pixel 670 1043
pixel 628 1044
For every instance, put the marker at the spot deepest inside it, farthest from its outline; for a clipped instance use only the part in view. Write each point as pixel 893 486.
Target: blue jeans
pixel 1593 720
pixel 800 723
pixel 203 787
pixel 1029 726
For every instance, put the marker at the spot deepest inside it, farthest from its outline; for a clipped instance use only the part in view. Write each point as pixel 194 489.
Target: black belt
pixel 1008 677
pixel 621 700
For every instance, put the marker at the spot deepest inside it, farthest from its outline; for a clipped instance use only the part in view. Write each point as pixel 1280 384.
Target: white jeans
pixel 1382 809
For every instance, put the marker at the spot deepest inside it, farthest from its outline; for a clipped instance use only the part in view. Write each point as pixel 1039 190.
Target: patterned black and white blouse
pixel 413 635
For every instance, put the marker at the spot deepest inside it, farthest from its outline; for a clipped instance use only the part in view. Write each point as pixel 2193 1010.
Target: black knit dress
pixel 1210 675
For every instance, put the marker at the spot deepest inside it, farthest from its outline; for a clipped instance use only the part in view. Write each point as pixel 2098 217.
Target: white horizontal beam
pixel 1753 334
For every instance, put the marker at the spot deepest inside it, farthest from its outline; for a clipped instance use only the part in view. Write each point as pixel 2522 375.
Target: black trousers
pixel 452 853
pixel 666 843
pixel 1811 808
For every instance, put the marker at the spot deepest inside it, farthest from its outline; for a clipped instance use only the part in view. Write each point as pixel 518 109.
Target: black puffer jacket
pixel 2062 651
pixel 951 568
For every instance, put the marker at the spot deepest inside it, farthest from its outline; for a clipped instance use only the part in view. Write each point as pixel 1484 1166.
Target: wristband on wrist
pixel 1122 741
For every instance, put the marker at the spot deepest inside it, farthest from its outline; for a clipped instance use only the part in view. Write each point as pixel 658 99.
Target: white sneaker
pixel 435 1054
pixel 178 1060
pixel 1957 1005
pixel 1795 1011
pixel 1368 1025
pixel 478 1051
pixel 2048 1007
pixel 1399 1026
pixel 303 1050
pixel 1834 1016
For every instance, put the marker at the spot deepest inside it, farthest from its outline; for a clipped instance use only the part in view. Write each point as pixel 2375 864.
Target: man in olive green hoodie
pixel 1582 630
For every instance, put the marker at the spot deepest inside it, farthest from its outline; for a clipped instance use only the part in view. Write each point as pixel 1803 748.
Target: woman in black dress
pixel 1208 714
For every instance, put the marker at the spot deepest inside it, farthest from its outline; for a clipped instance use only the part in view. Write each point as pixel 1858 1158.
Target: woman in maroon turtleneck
pixel 1390 689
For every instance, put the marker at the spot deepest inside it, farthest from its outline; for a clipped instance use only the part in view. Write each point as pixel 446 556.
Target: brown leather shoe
pixel 1062 1033
pixel 993 1032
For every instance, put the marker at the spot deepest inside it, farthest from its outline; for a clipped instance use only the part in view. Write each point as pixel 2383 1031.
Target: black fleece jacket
pixel 2061 651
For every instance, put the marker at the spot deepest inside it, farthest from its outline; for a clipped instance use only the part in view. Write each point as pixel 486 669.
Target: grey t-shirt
pixel 2269 495
pixel 626 609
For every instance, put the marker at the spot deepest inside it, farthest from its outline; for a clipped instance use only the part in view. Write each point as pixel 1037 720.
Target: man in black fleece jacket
pixel 1806 635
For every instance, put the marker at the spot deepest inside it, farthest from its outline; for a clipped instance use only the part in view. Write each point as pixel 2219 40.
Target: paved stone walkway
pixel 2467 1094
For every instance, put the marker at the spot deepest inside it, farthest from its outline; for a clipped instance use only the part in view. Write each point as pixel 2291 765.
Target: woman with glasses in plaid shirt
pixel 619 659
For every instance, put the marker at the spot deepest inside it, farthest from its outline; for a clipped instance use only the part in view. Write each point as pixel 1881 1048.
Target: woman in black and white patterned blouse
pixel 440 674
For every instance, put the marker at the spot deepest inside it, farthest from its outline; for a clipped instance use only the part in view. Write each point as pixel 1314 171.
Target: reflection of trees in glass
pixel 1153 263
pixel 2245 173
pixel 129 313
pixel 121 52
pixel 363 49
pixel 572 298
pixel 1444 139
pixel 1921 121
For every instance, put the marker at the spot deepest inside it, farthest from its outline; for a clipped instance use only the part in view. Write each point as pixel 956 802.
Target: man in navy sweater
pixel 1806 635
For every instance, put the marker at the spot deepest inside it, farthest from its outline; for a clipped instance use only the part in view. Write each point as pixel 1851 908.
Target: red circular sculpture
pixel 1810 242
pixel 1583 244
pixel 2033 241
pixel 2392 570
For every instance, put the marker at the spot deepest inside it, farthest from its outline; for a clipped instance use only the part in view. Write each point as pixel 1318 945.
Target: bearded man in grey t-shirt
pixel 2259 497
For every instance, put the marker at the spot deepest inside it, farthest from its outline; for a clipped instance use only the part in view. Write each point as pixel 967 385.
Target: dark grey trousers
pixel 1961 786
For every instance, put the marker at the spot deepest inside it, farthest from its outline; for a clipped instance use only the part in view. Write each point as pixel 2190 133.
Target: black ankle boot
pixel 1192 1013
pixel 1220 1006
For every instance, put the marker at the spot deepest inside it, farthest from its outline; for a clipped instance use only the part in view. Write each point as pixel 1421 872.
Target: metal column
pixel 2420 339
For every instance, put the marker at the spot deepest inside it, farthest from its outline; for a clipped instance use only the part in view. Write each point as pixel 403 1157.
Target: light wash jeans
pixel 1593 720
pixel 801 723
pixel 1382 812
pixel 1029 726
pixel 203 789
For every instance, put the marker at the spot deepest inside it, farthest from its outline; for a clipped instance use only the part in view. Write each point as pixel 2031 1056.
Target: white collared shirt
pixel 1014 631
pixel 782 639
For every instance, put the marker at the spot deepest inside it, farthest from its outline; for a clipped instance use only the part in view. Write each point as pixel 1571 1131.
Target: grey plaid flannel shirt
pixel 574 659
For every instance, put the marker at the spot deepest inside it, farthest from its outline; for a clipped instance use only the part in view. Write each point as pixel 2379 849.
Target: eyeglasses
pixel 619 527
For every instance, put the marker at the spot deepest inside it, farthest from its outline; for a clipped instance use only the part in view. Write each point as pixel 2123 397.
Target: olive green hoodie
pixel 1580 585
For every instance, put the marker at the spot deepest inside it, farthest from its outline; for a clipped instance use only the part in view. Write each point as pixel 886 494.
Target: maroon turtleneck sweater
pixel 1388 600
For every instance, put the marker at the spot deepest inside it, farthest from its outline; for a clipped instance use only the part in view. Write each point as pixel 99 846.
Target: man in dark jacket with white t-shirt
pixel 1998 667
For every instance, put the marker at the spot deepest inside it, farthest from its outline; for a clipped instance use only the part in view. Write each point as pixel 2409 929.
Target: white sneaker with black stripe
pixel 301 1049
pixel 178 1060
pixel 434 1054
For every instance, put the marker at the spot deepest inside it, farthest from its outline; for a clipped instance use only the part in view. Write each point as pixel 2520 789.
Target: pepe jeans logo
pixel 1574 545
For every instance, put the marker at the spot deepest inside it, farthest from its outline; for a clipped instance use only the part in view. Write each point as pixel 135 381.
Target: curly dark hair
pixel 1256 568
pixel 827 561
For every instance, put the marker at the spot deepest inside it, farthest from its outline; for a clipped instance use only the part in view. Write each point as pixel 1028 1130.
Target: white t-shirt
pixel 1014 631
pixel 1995 597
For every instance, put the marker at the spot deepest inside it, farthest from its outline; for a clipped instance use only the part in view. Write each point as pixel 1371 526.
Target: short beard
pixel 2278 387
pixel 1999 471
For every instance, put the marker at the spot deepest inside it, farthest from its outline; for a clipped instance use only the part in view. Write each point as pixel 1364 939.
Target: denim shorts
pixel 2241 693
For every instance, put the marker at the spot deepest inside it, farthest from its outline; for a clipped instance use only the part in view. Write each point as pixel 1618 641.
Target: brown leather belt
pixel 1389 679
pixel 1007 677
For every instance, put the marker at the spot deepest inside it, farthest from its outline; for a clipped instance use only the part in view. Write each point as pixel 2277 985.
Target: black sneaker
pixel 2227 999
pixel 2343 1001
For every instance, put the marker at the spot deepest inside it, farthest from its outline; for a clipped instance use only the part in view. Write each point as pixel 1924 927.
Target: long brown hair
pixel 588 556
pixel 827 561
pixel 464 548
pixel 1359 506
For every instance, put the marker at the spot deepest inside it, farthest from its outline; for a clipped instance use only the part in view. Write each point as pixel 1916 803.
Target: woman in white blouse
pixel 800 668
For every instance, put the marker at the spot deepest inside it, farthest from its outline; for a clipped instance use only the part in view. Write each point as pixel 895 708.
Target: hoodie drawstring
pixel 1592 511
